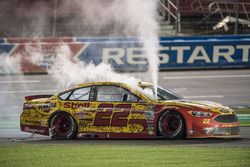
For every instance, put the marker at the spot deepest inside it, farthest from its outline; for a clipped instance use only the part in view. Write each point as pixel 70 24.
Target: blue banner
pixel 205 53
pixel 126 54
pixel 175 52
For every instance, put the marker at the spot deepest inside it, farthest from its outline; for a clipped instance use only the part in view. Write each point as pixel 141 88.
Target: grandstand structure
pixel 215 16
pixel 60 18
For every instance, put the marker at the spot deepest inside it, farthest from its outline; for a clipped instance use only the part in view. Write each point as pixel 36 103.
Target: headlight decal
pixel 200 113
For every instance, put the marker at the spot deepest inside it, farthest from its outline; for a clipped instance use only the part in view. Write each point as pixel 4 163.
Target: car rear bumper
pixel 35 129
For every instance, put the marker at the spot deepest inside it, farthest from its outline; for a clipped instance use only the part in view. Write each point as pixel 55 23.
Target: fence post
pixel 177 21
pixel 54 19
pixel 237 18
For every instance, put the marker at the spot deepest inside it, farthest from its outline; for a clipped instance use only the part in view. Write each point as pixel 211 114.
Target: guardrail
pixel 244 119
pixel 126 54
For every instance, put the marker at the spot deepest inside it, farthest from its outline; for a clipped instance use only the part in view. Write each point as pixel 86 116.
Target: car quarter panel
pixel 112 118
pixel 36 113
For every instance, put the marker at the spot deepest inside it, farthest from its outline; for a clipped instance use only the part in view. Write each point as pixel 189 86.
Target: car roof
pixel 100 83
pixel 140 84
pixel 129 86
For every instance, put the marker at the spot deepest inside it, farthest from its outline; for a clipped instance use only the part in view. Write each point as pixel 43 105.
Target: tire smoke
pixel 135 18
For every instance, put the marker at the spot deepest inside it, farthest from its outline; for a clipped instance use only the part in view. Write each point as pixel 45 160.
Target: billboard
pixel 126 54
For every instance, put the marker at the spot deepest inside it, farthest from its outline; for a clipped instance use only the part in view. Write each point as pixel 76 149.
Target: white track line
pixel 20 82
pixel 203 97
pixel 206 77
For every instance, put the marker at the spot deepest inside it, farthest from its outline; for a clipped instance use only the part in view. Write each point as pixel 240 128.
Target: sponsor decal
pixel 229 125
pixel 150 121
pixel 150 129
pixel 75 105
pixel 34 129
pixel 81 115
pixel 46 106
pixel 206 121
pixel 149 115
pixel 28 129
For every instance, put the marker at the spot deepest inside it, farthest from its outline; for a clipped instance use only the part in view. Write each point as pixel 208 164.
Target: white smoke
pixel 10 64
pixel 69 71
pixel 134 17
pixel 126 17
pixel 141 15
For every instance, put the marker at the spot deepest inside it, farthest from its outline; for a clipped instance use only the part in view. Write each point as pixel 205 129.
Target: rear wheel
pixel 171 125
pixel 63 126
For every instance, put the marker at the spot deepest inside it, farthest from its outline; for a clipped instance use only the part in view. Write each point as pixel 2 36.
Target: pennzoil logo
pixel 46 106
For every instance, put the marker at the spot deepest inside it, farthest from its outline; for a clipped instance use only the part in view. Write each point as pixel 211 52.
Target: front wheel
pixel 171 125
pixel 63 126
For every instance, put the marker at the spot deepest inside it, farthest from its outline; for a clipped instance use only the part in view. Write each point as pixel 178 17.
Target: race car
pixel 119 110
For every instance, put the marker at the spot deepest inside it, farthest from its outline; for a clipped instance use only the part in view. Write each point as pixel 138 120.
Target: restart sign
pixel 181 56
pixel 205 54
pixel 174 53
pixel 126 54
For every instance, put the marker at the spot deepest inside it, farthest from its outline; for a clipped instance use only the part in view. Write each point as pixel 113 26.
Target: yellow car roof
pixel 131 87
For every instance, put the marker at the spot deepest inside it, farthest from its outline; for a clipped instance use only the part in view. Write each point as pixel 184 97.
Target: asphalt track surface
pixel 229 87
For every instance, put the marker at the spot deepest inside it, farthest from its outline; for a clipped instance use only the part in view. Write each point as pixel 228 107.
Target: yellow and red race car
pixel 119 110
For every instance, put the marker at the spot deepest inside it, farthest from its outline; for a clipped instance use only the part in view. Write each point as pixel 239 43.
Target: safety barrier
pixel 126 54
pixel 244 119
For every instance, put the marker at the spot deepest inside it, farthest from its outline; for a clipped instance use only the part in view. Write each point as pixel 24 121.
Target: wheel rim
pixel 62 125
pixel 171 124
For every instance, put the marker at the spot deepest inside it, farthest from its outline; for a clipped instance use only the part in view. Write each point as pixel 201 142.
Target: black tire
pixel 63 126
pixel 171 125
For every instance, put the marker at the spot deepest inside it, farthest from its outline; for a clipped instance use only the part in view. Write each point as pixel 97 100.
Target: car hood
pixel 203 105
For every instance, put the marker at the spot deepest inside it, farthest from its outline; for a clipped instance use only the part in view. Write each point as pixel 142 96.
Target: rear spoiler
pixel 27 98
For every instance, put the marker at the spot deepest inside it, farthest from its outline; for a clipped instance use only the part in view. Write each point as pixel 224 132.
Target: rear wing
pixel 27 98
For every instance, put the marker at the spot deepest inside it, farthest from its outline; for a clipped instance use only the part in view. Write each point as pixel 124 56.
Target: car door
pixel 118 111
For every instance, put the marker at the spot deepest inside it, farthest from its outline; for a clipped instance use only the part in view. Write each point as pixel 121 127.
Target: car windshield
pixel 162 94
